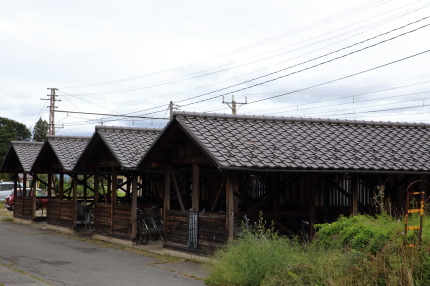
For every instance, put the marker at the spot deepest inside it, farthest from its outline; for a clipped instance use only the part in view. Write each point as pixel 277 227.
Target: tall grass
pixel 359 250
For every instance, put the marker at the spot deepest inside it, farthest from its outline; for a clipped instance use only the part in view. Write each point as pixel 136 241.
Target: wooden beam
pixel 49 189
pixel 96 188
pixel 85 186
pixel 33 197
pixel 61 191
pixel 345 193
pixel 215 202
pixel 178 192
pixel 133 206
pixel 24 192
pixel 196 188
pixel 167 180
pixel 75 201
pixel 113 196
pixel 15 189
pixel 107 164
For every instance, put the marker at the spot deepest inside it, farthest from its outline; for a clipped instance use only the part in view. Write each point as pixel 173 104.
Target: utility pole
pixel 171 108
pixel 233 104
pixel 52 100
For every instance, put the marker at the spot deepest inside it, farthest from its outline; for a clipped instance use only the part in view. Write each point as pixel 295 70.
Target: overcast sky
pixel 363 60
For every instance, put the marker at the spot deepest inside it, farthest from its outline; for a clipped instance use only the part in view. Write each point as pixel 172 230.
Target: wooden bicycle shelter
pixel 56 160
pixel 112 155
pixel 297 172
pixel 19 160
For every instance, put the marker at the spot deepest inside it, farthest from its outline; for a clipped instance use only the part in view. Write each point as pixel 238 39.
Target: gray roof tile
pixel 26 153
pixel 128 145
pixel 247 141
pixel 67 149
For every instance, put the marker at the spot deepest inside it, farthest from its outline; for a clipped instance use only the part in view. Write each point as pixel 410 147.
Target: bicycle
pixel 86 213
pixel 89 217
pixel 142 228
pixel 156 225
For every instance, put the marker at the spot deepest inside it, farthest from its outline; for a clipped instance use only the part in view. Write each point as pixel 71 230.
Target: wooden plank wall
pixel 18 208
pixel 28 208
pixel 61 212
pixel 54 211
pixel 212 230
pixel 121 226
pixel 68 211
pixel 122 221
pixel 102 219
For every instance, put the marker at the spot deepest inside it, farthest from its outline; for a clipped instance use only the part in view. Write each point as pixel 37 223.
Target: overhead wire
pixel 318 23
pixel 187 77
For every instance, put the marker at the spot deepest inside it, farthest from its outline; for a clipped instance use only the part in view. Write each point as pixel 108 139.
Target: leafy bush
pixel 252 257
pixel 361 232
pixel 359 250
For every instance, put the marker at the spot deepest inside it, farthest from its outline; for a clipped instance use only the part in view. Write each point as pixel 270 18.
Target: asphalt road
pixel 57 259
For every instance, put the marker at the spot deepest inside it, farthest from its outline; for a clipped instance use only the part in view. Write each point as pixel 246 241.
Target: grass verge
pixel 360 250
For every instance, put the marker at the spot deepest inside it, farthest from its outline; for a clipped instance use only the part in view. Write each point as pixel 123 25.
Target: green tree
pixel 11 130
pixel 40 130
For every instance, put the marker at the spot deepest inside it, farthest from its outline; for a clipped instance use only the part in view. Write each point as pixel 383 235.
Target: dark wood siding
pixel 212 230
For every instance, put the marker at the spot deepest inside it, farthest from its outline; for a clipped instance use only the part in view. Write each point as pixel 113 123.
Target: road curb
pixel 8 276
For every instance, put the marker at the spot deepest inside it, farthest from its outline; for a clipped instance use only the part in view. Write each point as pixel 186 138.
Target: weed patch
pixel 360 250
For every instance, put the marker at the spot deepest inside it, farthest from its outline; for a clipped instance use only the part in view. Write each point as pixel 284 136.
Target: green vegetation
pixel 11 130
pixel 360 250
pixel 40 130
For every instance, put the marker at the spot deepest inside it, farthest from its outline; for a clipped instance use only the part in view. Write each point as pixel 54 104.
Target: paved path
pixel 30 255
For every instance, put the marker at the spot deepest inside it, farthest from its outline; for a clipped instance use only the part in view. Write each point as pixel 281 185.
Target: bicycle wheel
pixel 142 233
pixel 89 219
pixel 152 229
pixel 160 229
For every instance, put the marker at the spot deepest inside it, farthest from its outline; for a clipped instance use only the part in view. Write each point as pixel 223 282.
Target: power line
pixel 295 72
pixel 318 23
pixel 161 106
pixel 111 115
pixel 341 78
pixel 187 77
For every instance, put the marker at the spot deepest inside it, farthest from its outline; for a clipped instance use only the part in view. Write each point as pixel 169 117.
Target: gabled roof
pixel 127 145
pixel 260 142
pixel 63 150
pixel 21 156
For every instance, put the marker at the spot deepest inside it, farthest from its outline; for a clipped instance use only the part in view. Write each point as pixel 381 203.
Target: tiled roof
pixel 128 145
pixel 297 143
pixel 67 149
pixel 26 153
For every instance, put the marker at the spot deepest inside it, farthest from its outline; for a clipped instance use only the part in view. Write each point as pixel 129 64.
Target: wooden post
pixel 33 197
pixel 196 188
pixel 49 188
pixel 61 192
pixel 178 192
pixel 85 186
pixel 24 193
pixel 231 187
pixel 129 191
pixel 75 200
pixel 96 188
pixel 354 196
pixel 166 208
pixel 133 206
pixel 15 189
pixel 113 196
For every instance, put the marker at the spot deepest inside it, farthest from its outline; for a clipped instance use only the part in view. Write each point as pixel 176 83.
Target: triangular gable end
pixel 176 145
pixel 21 156
pixel 94 154
pixel 60 153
